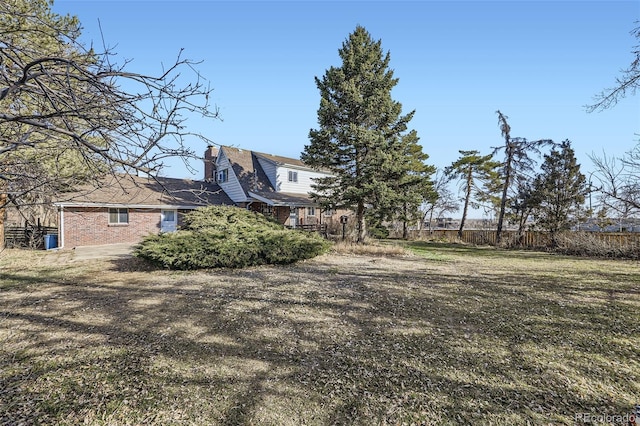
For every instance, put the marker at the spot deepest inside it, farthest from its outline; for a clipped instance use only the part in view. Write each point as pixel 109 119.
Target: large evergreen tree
pixel 478 176
pixel 362 137
pixel 560 190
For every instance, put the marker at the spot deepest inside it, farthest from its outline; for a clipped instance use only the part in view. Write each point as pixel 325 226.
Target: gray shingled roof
pixel 284 199
pixel 254 180
pixel 248 170
pixel 126 190
pixel 282 160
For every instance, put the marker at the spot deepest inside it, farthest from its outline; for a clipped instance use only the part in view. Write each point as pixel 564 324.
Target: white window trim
pixel 222 176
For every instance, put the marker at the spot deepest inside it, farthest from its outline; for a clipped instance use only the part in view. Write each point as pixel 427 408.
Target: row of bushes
pixel 586 244
pixel 577 243
pixel 229 237
pixel 591 245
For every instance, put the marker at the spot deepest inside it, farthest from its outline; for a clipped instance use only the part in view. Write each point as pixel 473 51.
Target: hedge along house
pixel 272 185
pixel 124 209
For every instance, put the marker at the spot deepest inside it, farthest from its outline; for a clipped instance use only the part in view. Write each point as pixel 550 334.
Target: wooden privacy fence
pixel 529 239
pixel 27 236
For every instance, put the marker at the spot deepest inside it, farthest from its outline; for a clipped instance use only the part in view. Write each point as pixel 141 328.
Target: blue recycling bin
pixel 50 241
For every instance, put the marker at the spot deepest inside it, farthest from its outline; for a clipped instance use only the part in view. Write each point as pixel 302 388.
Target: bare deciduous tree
pixel 627 83
pixel 616 182
pixel 617 179
pixel 69 114
pixel 441 200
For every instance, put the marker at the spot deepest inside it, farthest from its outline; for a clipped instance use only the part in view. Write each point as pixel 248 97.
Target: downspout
pixel 61 228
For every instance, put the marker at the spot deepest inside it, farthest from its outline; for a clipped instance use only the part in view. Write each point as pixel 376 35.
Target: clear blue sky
pixel 539 62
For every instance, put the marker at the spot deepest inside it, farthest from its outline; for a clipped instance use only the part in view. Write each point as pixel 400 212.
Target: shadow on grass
pixel 356 340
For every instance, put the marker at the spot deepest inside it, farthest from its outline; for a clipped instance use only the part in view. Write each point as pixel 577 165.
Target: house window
pixel 223 176
pixel 329 212
pixel 118 216
pixel 311 211
pixel 169 215
pixel 293 176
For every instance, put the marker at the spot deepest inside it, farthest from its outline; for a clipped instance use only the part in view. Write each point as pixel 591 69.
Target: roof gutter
pixel 131 206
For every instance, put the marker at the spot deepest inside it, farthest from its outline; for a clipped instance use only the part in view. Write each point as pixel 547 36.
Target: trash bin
pixel 50 241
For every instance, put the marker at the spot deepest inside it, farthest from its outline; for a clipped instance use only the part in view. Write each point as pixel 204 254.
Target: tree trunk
pixel 362 232
pixel 505 190
pixel 405 228
pixel 467 197
pixel 3 202
pixel 430 222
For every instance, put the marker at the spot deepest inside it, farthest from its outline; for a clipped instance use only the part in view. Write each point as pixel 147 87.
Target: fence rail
pixel 312 227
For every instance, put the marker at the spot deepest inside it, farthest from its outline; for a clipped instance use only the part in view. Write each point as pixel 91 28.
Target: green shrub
pixel 229 237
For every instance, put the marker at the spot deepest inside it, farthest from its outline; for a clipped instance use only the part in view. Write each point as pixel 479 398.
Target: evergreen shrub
pixel 229 237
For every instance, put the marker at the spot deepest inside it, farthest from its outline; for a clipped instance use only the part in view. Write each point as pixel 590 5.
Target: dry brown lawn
pixel 451 335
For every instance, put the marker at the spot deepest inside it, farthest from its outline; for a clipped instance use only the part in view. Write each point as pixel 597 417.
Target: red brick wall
pixel 89 226
pixel 210 156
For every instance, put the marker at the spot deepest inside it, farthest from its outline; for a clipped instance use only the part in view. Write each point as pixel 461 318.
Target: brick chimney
pixel 210 156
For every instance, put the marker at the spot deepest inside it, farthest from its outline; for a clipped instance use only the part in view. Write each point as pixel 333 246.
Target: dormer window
pixel 293 176
pixel 222 176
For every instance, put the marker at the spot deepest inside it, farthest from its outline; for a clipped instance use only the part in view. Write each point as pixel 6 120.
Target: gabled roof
pixel 135 191
pixel 247 169
pixel 291 162
pixel 282 161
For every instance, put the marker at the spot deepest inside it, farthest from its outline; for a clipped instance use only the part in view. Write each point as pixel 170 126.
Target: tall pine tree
pixel 362 137
pixel 561 189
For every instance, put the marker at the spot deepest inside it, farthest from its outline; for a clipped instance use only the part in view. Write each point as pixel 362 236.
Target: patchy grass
pixel 372 248
pixel 453 335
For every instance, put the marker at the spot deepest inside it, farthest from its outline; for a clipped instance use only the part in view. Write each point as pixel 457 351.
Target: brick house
pixel 124 209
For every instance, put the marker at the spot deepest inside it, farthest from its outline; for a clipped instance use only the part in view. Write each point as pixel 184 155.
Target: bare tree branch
pixel 627 83
pixel 617 183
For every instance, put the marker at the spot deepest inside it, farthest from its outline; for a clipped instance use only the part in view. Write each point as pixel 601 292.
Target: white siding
pixel 305 180
pixel 270 170
pixel 232 186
